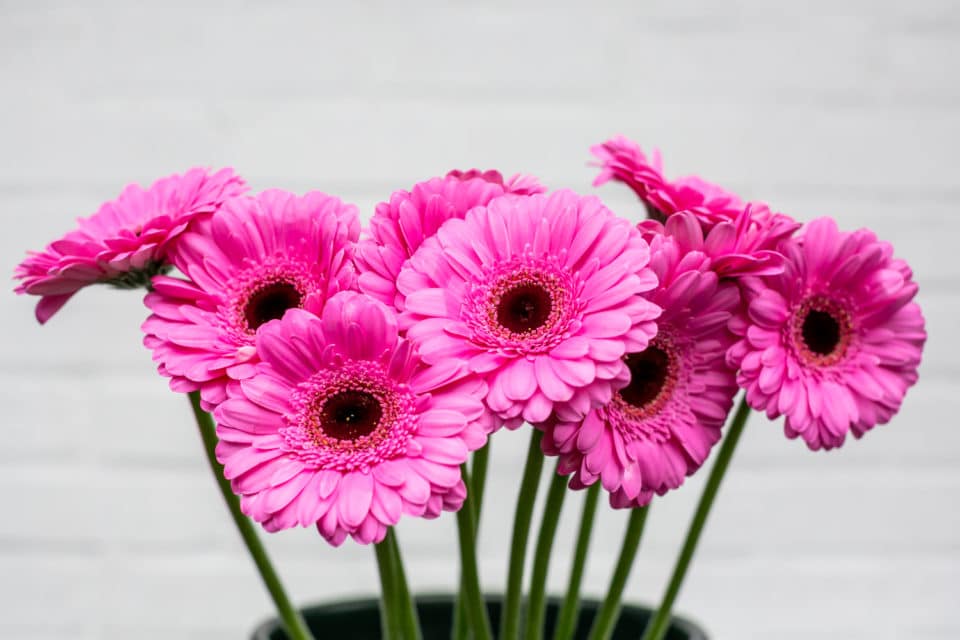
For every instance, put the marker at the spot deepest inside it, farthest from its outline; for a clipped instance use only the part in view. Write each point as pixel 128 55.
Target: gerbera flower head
pixel 518 184
pixel 344 427
pixel 622 160
pixel 659 428
pixel 541 295
pixel 400 226
pixel 125 242
pixel 744 246
pixel 834 342
pixel 246 265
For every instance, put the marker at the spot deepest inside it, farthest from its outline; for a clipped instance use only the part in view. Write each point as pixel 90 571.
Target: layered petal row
pixel 343 427
pixel 834 342
pixel 660 428
pixel 125 242
pixel 243 267
pixel 540 295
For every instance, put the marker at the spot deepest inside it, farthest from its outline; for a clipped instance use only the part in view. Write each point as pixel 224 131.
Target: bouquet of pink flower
pixel 354 380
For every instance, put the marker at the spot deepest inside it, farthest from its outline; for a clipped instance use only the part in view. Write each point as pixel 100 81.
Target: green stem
pixel 459 630
pixel 475 482
pixel 510 623
pixel 478 472
pixel 407 612
pixel 476 609
pixel 606 620
pixel 391 627
pixel 537 604
pixel 658 625
pixel 567 620
pixel 292 621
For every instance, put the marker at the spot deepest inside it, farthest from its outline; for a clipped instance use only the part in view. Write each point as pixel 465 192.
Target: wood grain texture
pixel 111 527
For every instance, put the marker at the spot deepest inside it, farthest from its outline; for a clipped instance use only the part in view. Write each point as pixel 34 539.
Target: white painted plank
pixel 854 596
pixel 135 424
pixel 825 507
pixel 341 139
pixel 368 54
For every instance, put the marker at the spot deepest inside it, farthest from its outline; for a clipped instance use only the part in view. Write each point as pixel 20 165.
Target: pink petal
pixel 518 379
pixel 356 494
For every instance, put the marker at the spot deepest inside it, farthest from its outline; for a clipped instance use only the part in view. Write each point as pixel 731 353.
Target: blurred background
pixel 111 526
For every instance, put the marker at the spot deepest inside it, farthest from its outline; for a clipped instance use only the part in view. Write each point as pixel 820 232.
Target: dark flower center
pixel 270 302
pixel 821 332
pixel 350 415
pixel 524 308
pixel 649 370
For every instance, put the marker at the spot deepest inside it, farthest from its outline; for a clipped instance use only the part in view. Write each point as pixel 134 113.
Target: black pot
pixel 360 620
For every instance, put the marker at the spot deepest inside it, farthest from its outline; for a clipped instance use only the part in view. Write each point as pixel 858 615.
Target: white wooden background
pixel 110 526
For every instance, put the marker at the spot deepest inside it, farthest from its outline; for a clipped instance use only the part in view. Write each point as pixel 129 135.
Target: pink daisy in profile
pixel 834 342
pixel 622 160
pixel 125 242
pixel 744 246
pixel 660 427
pixel 343 426
pixel 518 184
pixel 540 295
pixel 400 226
pixel 246 265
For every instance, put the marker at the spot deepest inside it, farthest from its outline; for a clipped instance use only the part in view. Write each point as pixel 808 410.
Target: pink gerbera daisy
pixel 248 264
pixel 746 245
pixel 539 294
pixel 125 242
pixel 659 428
pixel 344 427
pixel 400 226
pixel 835 341
pixel 622 159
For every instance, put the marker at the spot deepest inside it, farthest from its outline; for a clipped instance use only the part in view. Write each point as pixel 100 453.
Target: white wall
pixel 110 525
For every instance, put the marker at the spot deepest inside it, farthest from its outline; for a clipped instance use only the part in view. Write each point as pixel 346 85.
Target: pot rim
pixel 365 603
